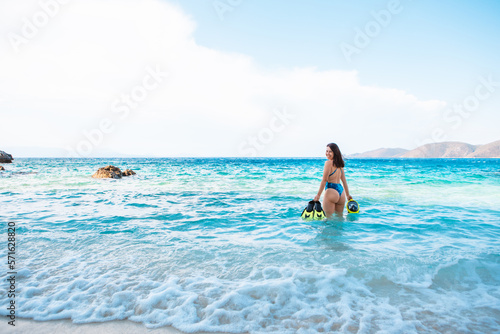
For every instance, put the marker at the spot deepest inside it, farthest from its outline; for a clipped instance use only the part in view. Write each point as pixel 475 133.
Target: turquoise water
pixel 217 245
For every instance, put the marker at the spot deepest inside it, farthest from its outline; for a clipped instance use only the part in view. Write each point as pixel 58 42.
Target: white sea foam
pixel 274 299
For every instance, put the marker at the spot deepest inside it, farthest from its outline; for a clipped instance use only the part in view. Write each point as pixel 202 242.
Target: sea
pixel 217 245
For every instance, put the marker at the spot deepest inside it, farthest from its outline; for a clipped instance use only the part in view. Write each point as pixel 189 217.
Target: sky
pixel 241 78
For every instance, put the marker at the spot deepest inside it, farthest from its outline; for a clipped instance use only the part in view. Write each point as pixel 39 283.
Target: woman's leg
pixel 329 201
pixel 339 206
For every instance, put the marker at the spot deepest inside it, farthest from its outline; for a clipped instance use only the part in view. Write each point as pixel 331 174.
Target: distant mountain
pixel 491 150
pixel 381 153
pixel 437 150
pixel 441 150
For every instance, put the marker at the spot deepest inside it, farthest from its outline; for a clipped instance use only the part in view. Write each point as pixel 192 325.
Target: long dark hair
pixel 337 156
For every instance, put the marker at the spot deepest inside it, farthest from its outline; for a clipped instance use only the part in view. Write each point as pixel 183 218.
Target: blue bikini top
pixel 332 173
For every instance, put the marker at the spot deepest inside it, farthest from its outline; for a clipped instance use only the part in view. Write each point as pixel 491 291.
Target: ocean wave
pixel 222 248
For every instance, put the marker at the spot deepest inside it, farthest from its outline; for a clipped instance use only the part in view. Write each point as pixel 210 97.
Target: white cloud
pixel 67 77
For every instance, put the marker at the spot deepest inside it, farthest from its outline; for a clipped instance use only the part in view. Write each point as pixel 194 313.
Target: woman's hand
pixel 316 198
pixel 349 197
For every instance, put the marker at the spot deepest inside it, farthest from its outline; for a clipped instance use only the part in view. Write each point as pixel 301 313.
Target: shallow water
pixel 217 245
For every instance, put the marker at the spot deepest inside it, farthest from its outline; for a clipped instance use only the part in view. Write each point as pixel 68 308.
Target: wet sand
pixel 28 326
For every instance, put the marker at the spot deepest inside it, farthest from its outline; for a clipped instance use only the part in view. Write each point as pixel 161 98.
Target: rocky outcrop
pixel 128 172
pixel 5 157
pixel 111 172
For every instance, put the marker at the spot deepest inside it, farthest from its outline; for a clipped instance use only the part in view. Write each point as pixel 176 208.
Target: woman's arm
pixel 344 182
pixel 323 181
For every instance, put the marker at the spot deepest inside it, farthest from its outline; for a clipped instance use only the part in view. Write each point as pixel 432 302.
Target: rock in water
pixel 112 172
pixel 108 172
pixel 128 172
pixel 5 157
pixel 1 168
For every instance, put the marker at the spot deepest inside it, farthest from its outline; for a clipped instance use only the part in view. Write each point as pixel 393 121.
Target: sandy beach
pixel 28 326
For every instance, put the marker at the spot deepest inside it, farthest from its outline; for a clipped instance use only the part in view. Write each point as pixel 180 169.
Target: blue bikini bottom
pixel 336 186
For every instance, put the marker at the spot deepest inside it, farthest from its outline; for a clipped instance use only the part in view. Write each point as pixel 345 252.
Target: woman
pixel 333 172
